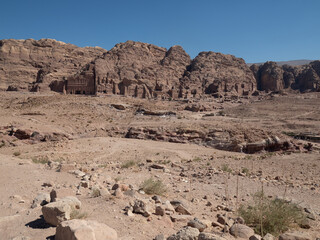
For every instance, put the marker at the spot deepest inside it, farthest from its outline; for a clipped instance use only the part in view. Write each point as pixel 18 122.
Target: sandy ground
pixel 193 173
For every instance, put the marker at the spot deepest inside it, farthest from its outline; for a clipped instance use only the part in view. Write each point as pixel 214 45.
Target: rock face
pixel 84 230
pixel 134 69
pixel 273 77
pixel 35 65
pixel 131 68
pixel 213 73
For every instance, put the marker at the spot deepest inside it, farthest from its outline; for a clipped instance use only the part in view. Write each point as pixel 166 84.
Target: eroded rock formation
pixel 34 65
pixel 213 73
pixel 272 77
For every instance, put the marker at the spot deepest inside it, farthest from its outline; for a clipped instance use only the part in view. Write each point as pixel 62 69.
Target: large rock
pixel 210 236
pixel 198 224
pixel 242 231
pixel 294 236
pixel 42 62
pixel 57 212
pixel 134 69
pixel 273 77
pixel 40 200
pixel 84 230
pixel 187 233
pixel 212 73
pixel 144 207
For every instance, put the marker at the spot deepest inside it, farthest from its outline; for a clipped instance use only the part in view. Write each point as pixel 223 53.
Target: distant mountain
pixel 290 63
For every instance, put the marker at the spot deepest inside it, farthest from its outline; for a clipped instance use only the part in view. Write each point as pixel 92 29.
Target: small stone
pixel 180 218
pixel 268 236
pixel 84 184
pixel 118 193
pixel 209 236
pixel 159 237
pixel 160 211
pixel 255 237
pixel 196 223
pixel 183 210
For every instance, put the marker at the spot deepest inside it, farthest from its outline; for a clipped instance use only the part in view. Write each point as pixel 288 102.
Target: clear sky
pixel 255 30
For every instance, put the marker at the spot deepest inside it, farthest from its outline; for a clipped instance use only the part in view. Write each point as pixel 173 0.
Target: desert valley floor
pixel 74 144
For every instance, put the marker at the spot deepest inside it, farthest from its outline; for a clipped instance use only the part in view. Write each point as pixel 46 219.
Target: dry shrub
pixel 275 215
pixel 128 164
pixel 151 186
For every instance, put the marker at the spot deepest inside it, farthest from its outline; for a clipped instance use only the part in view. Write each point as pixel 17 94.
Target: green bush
pixel 275 215
pixel 151 186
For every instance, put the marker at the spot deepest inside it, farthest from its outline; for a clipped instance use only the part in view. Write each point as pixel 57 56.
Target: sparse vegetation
pixel 245 171
pixel 95 192
pixel 151 186
pixel 128 164
pixel 77 214
pixel 117 179
pixel 197 159
pixel 2 144
pixel 16 154
pixel 41 160
pixel 271 215
pixel 226 168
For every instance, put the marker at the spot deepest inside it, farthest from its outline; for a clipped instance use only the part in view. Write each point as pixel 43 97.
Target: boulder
pixel 59 211
pixel 84 230
pixel 242 231
pixel 187 233
pixel 210 236
pixel 40 200
pixel 295 236
pixel 198 224
pixel 144 207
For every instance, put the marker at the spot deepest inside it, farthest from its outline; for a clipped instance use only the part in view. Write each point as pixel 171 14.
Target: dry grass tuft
pixel 151 186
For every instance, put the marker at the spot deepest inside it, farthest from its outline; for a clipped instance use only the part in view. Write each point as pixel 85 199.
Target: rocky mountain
pixel 135 69
pixel 145 70
pixel 212 73
pixel 142 70
pixel 272 77
pixel 31 64
pixel 290 63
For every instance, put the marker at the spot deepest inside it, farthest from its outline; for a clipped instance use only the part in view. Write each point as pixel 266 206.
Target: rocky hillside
pixel 212 73
pixel 142 70
pixel 145 70
pixel 272 77
pixel 130 68
pixel 24 62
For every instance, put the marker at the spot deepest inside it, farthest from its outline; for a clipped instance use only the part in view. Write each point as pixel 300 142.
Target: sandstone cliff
pixel 272 77
pixel 30 64
pixel 136 69
pixel 212 73
pixel 145 70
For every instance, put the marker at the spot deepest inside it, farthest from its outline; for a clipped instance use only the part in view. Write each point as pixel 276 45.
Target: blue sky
pixel 255 30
